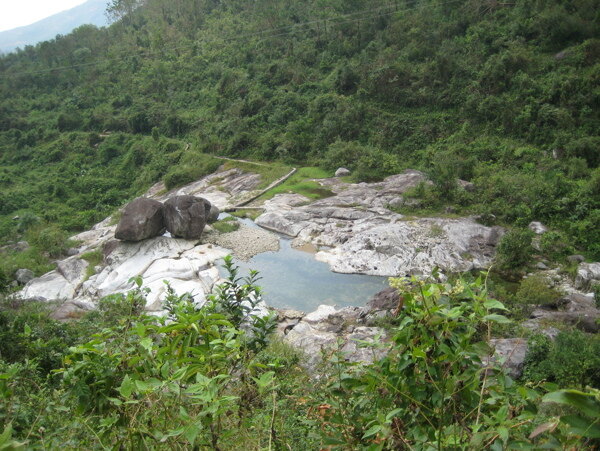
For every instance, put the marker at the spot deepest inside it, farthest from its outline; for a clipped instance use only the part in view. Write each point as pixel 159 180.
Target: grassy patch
pixel 247 213
pixel 301 183
pixel 226 225
pixel 269 172
pixel 94 258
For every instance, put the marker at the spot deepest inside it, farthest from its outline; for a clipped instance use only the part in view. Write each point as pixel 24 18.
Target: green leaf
pixel 500 319
pixel 146 343
pixel 494 304
pixel 126 387
pixel 372 431
pixel 584 402
pixel 191 433
pixel 583 426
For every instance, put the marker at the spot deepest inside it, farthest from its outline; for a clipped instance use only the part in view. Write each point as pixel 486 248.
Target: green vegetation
pixel 572 359
pixel 217 378
pixel 301 182
pixel 94 258
pixel 535 290
pixel 226 225
pixel 501 95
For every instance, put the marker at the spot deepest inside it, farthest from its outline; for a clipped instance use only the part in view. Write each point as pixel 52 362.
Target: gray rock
pixel 185 216
pixel 72 251
pixel 386 300
pixel 342 172
pixel 68 311
pixel 510 354
pixel 467 186
pixel 576 258
pixel 587 274
pixel 541 266
pixel 142 219
pixel 24 275
pixel 212 212
pixel 537 227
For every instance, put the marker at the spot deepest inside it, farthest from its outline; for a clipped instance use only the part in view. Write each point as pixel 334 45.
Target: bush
pixel 49 239
pixel 182 175
pixel 515 249
pixel 535 290
pixel 572 360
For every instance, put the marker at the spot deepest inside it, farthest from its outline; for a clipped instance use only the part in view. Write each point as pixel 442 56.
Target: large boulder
pixel 185 216
pixel 142 219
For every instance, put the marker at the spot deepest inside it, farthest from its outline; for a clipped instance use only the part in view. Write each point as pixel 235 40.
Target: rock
pixel 537 227
pixel 72 251
pixel 142 219
pixel 386 300
pixel 24 275
pixel 212 212
pixel 467 186
pixel 342 172
pixel 587 274
pixel 20 246
pixel 318 334
pixel 510 354
pixel 185 216
pixel 541 266
pixel 576 258
pixel 51 286
pixel 69 310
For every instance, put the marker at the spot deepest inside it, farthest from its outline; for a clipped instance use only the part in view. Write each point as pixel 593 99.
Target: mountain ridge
pixel 90 12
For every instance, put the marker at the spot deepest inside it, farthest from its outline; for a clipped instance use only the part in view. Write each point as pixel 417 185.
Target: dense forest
pixel 505 95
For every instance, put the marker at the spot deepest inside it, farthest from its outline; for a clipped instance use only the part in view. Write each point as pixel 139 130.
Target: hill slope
pixel 503 95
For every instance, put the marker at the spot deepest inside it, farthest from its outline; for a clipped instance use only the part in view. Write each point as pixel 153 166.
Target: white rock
pixel 537 227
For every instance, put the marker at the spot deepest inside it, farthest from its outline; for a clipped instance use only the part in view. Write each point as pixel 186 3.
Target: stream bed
pixel 294 279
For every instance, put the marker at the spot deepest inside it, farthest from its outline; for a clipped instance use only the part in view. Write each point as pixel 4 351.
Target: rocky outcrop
pixel 185 216
pixel 358 233
pixel 60 284
pixel 329 329
pixel 575 310
pixel 142 219
pixel 587 275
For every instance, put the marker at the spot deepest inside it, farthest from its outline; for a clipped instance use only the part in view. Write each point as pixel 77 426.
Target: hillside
pixel 91 12
pixel 470 131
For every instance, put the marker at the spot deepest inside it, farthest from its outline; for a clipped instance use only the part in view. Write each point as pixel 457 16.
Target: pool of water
pixel 292 278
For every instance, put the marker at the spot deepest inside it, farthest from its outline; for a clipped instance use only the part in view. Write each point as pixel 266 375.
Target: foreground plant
pixel 437 388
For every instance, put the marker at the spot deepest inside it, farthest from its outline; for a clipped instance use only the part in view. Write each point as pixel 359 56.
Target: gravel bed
pixel 245 242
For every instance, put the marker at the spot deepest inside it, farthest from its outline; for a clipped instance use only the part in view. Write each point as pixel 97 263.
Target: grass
pixel 94 258
pixel 226 225
pixel 269 172
pixel 301 183
pixel 247 213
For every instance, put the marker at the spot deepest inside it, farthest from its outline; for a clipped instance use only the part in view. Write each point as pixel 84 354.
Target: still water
pixel 292 278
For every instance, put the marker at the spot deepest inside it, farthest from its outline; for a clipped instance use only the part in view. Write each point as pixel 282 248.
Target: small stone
pixel 72 251
pixel 576 258
pixel 541 266
pixel 24 275
pixel 342 172
pixel 537 227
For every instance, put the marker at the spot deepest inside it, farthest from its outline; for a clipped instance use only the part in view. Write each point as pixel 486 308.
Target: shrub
pixel 571 360
pixel 535 290
pixel 515 249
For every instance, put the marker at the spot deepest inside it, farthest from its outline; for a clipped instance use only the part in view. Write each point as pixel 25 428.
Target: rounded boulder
pixel 142 218
pixel 185 216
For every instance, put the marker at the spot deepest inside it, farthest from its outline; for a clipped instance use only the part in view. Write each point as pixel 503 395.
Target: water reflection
pixel 291 278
